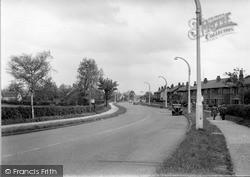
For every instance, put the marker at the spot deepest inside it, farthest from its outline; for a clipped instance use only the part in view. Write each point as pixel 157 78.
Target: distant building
pixel 215 92
pixel 220 91
pixel 11 96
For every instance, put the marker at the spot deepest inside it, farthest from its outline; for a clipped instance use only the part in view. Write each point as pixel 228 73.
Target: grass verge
pixel 70 122
pixel 203 152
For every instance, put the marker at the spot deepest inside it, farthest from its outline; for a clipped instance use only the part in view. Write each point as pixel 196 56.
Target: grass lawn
pixel 203 152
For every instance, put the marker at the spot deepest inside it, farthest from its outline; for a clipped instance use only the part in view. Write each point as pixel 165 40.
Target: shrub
pixel 23 114
pixel 239 111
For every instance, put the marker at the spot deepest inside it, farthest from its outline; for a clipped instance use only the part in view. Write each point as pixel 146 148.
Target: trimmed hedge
pixel 239 111
pixel 12 115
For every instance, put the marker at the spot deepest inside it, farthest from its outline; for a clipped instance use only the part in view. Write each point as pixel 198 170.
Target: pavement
pixel 238 143
pixel 32 124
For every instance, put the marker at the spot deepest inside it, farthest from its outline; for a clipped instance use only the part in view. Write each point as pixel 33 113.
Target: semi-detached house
pixel 215 92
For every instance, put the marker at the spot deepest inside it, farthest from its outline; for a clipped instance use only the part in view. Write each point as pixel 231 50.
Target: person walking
pixel 223 110
pixel 214 111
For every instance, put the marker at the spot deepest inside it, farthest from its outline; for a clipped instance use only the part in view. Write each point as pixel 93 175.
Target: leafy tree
pixel 146 95
pixel 237 78
pixel 131 95
pixel 47 91
pixel 108 87
pixel 30 70
pixel 88 76
pixel 247 97
pixel 176 98
pixel 63 91
pixel 15 86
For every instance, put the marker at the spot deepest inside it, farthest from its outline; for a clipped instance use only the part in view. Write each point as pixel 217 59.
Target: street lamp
pixel 148 92
pixel 199 110
pixel 189 73
pixel 166 91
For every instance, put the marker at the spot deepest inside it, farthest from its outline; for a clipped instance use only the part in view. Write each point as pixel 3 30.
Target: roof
pixel 183 88
pixel 161 90
pixel 212 84
pixel 10 94
pixel 173 89
pixel 247 80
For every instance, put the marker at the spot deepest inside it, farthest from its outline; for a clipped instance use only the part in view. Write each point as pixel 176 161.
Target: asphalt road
pixel 134 143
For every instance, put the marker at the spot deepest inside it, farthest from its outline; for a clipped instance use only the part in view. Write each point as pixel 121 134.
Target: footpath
pixel 238 143
pixel 13 127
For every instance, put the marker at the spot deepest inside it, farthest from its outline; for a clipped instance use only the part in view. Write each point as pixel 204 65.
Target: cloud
pixel 85 11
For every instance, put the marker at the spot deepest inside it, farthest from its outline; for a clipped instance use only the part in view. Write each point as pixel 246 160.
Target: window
pixel 234 101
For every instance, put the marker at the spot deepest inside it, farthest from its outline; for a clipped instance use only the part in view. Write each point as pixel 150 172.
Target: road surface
pixel 134 143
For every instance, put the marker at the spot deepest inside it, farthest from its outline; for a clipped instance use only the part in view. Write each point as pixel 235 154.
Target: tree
pixel 88 76
pixel 47 91
pixel 108 87
pixel 236 78
pixel 131 95
pixel 247 97
pixel 233 76
pixel 176 98
pixel 64 91
pixel 15 86
pixel 146 95
pixel 30 70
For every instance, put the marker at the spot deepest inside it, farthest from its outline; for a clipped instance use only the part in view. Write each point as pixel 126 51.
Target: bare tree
pixel 30 70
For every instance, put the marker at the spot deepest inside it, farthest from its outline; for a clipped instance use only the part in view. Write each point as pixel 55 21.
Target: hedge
pixel 239 111
pixel 23 114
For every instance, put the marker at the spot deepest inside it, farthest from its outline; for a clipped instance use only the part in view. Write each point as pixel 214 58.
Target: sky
pixel 133 41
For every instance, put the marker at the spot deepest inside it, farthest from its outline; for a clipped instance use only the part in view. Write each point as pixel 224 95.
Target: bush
pixel 23 114
pixel 239 111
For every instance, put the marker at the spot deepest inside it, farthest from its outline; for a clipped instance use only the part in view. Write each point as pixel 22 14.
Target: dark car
pixel 176 109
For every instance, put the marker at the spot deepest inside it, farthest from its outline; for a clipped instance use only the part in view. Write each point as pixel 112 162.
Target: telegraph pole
pixel 199 109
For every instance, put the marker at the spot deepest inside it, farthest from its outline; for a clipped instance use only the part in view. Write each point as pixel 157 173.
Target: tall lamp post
pixel 148 92
pixel 199 109
pixel 166 92
pixel 189 73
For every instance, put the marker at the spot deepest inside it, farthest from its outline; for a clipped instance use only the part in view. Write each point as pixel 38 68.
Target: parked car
pixel 176 109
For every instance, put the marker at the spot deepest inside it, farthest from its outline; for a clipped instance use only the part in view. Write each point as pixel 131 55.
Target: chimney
pixel 241 76
pixel 205 80
pixel 194 83
pixel 186 85
pixel 218 79
pixel 182 84
pixel 179 84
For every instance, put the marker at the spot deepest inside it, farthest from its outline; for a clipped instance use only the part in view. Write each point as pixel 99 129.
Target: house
pixel 11 96
pixel 183 91
pixel 160 95
pixel 214 92
pixel 221 91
